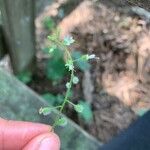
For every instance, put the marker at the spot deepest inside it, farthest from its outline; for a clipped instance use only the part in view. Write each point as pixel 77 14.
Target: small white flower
pixel 68 40
pixel 87 57
pixel 92 56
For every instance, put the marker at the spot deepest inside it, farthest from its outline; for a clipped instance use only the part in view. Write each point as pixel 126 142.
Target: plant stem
pixel 61 45
pixel 68 91
pixel 77 59
pixel 58 107
pixel 70 103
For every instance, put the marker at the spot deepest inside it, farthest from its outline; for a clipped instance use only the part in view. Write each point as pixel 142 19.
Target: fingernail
pixel 50 143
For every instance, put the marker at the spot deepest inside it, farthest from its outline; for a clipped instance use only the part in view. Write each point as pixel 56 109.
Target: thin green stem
pixel 58 106
pixel 68 91
pixel 70 103
pixel 61 45
pixel 77 59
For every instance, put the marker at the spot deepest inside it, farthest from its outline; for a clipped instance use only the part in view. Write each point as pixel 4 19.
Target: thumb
pixel 47 141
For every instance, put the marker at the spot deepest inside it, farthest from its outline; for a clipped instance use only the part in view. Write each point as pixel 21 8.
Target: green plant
pixel 87 114
pixel 53 100
pixel 55 67
pixel 25 77
pixel 82 65
pixel 63 45
pixel 48 23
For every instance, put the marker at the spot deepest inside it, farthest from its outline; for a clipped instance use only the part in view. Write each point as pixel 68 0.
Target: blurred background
pixel 114 90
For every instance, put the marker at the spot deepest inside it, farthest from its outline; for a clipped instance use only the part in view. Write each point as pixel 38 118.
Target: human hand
pixel 18 135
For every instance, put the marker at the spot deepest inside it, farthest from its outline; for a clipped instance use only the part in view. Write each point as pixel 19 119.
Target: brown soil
pixel 119 81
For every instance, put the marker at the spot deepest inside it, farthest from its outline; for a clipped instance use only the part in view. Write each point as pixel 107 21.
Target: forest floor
pixel 119 82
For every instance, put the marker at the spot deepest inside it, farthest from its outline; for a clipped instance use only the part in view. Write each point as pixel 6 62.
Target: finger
pixel 1 119
pixel 48 141
pixel 15 134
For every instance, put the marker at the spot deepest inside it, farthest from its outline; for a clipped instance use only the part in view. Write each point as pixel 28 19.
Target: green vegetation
pixel 87 114
pixel 25 77
pixel 62 62
pixel 53 100
pixel 48 23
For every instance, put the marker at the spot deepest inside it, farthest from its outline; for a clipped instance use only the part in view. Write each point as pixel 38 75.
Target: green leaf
pixel 25 77
pixel 52 37
pixel 75 80
pixel 55 36
pixel 50 98
pixel 87 113
pixel 48 23
pixel 68 40
pixel 61 122
pixel 79 108
pixel 55 69
pixel 52 48
pixel 58 54
pixel 81 64
pixel 84 57
pixel 45 111
pixel 70 95
pixel 59 99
